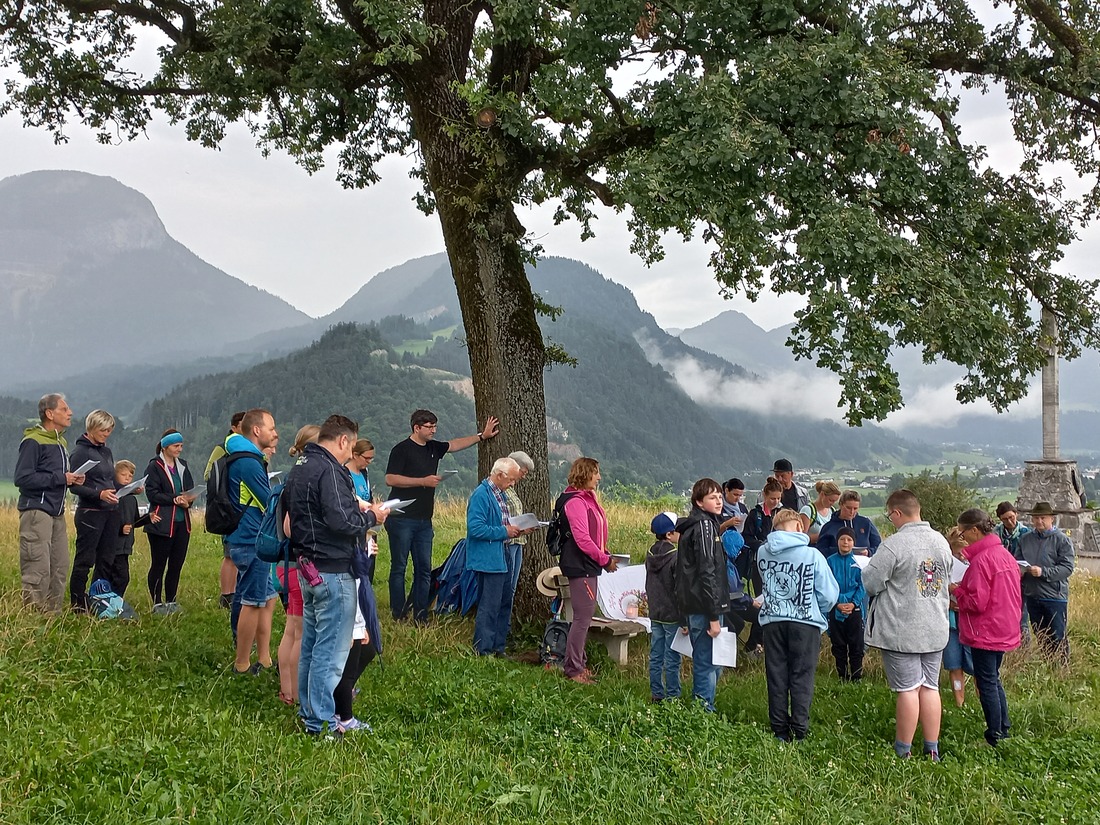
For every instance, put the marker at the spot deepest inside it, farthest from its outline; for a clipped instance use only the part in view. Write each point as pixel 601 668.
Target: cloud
pixel 815 395
pixel 789 392
pixel 936 406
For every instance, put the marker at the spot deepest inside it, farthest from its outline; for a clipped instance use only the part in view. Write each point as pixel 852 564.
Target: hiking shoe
pixel 160 609
pixel 172 608
pixel 353 724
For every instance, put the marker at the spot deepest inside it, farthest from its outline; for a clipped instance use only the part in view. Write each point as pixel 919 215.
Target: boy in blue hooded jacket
pixel 846 619
pixel 799 591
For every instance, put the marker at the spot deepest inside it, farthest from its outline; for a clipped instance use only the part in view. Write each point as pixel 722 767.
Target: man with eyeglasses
pixel 413 473
pixel 907 581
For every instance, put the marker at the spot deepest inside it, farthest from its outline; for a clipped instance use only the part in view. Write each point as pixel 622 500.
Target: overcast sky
pixel 315 244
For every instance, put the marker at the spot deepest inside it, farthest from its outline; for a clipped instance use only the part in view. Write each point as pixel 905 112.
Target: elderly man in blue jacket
pixel 487 530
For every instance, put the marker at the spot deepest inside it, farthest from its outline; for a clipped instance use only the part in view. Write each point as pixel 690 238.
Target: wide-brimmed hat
pixel 545 582
pixel 1042 508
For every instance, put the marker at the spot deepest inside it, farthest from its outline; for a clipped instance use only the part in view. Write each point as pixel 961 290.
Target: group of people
pixel 810 569
pixel 791 568
pixel 329 524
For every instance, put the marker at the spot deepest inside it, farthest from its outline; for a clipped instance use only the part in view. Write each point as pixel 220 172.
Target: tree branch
pixel 1044 14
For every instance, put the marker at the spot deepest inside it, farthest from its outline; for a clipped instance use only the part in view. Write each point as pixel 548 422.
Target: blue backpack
pixel 272 544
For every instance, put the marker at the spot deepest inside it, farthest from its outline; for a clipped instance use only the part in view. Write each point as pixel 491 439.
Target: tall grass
pixel 143 723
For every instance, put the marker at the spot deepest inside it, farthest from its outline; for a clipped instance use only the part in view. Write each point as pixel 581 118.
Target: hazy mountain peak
pixel 78 210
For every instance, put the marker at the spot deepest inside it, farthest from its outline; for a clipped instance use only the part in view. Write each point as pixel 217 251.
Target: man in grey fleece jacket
pixel 907 579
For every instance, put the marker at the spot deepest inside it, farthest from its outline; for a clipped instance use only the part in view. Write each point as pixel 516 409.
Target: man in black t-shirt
pixel 413 473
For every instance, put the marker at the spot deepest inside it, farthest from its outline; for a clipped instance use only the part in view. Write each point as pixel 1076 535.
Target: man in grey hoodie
pixel 907 579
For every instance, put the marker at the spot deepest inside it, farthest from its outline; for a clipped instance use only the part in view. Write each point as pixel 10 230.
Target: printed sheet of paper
pixel 396 505
pixel 861 561
pixel 723 654
pixel 195 491
pixel 958 570
pixel 527 521
pixel 129 488
pixel 83 468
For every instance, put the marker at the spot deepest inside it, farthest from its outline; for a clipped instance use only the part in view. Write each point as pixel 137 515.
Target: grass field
pixel 142 723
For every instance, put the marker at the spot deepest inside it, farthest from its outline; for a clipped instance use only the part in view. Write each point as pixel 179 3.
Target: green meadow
pixel 142 722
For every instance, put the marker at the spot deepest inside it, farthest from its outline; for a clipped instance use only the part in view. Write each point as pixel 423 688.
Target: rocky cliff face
pixel 90 278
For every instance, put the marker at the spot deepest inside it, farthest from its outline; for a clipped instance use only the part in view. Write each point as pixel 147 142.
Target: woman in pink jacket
pixel 989 614
pixel 583 558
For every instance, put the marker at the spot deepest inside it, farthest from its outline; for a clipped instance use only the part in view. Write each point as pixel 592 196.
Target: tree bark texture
pixel 483 237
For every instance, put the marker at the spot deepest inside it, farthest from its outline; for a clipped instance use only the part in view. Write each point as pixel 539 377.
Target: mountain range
pixel 203 344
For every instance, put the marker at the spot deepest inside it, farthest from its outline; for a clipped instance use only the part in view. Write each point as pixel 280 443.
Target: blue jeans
pixel 328 617
pixel 410 536
pixel 957 656
pixel 1048 620
pixel 987 678
pixel 254 588
pixel 664 662
pixel 494 612
pixel 704 675
pixel 513 557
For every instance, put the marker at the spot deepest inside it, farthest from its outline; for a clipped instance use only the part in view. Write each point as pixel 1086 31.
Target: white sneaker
pixel 353 724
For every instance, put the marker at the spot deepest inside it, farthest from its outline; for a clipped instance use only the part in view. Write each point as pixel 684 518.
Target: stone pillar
pixel 1057 481
pixel 1054 479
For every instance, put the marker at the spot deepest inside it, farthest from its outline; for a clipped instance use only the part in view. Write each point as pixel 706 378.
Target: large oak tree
pixel 814 145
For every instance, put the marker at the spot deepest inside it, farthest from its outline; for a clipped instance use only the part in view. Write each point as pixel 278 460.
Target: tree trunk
pixel 506 361
pixel 505 345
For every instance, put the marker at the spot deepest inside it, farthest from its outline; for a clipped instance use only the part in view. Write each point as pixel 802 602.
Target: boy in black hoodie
pixel 702 592
pixel 660 589
pixel 128 515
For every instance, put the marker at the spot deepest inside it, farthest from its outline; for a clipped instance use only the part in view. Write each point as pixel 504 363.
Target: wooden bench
pixel 615 634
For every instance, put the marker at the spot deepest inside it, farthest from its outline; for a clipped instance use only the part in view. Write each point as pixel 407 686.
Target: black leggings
pixel 359 657
pixel 170 552
pixel 97 539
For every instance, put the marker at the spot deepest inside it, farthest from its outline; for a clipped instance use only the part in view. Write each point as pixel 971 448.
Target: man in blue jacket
pixel 249 490
pixel 327 522
pixel 42 474
pixel 487 529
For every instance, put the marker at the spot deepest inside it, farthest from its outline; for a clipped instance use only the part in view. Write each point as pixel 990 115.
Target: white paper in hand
pixel 723 648
pixel 129 488
pixel 396 505
pixel 83 468
pixel 958 570
pixel 527 521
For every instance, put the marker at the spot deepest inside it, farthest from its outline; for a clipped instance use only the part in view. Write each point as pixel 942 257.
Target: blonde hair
pixel 785 515
pixel 305 435
pixel 99 420
pixel 826 488
pixel 125 465
pixel 363 445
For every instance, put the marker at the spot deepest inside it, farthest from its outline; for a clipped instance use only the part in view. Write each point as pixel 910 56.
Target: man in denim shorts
pixel 907 581
pixel 250 489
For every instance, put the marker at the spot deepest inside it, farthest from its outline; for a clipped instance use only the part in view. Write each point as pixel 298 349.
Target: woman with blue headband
pixel 169 490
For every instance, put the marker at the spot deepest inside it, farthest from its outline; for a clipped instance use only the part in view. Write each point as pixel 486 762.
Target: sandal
pixel 287 700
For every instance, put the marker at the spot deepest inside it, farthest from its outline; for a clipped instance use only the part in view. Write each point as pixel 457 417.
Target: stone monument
pixel 1053 478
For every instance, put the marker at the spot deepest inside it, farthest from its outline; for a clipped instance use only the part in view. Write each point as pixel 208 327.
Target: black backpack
pixel 222 514
pixel 552 648
pixel 558 532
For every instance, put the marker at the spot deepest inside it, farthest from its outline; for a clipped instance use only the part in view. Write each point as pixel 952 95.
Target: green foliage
pixel 941 499
pixel 815 148
pixel 142 723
